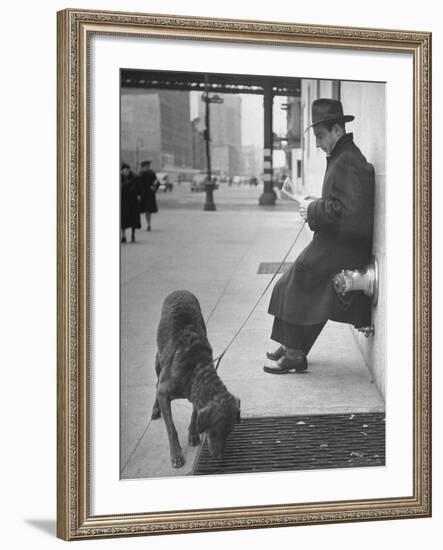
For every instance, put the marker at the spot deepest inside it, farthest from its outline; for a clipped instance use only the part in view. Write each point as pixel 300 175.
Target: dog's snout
pixel 218 454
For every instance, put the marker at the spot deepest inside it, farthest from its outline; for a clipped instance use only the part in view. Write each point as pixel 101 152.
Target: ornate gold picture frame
pixel 75 516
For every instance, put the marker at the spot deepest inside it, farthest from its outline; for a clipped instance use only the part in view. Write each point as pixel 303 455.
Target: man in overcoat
pixel 148 185
pixel 129 203
pixel 304 298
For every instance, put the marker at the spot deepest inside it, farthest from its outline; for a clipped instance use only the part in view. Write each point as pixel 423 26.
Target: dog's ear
pixel 204 417
pixel 237 418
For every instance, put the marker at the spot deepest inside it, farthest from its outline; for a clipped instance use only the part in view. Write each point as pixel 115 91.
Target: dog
pixel 185 369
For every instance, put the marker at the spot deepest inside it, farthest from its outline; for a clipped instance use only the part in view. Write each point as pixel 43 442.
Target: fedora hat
pixel 328 110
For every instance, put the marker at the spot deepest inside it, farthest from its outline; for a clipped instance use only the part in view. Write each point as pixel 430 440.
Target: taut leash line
pixel 218 359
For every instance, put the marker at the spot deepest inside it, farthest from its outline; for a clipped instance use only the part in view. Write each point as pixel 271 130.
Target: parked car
pixel 165 183
pixel 199 182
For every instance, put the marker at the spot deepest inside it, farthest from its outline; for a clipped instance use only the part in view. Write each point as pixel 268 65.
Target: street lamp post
pixel 209 187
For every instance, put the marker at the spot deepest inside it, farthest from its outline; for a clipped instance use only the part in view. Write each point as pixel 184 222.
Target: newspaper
pixel 288 191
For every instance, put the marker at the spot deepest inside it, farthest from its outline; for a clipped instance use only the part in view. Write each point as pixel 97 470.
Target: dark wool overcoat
pixel 129 202
pixel 148 185
pixel 342 221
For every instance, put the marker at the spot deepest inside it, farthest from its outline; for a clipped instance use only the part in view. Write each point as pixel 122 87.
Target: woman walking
pixel 148 184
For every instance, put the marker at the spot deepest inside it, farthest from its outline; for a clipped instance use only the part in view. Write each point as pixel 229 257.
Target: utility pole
pixel 209 186
pixel 267 198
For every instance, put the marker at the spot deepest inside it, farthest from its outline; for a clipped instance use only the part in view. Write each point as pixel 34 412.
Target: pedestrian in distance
pixel 148 185
pixel 129 203
pixel 304 299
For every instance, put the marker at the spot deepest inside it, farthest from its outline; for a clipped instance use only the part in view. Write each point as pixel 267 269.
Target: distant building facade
pixel 155 125
pixel 225 133
pixel 252 161
pixel 198 145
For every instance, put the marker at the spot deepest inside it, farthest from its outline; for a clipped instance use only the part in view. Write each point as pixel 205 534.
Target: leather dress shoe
pixel 295 359
pixel 276 354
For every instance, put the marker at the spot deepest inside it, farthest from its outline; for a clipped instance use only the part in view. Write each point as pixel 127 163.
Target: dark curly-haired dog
pixel 185 369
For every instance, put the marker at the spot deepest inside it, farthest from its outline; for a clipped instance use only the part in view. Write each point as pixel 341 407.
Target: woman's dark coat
pixel 148 185
pixel 343 222
pixel 129 202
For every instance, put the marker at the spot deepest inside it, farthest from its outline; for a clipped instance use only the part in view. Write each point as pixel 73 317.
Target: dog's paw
pixel 193 440
pixel 177 460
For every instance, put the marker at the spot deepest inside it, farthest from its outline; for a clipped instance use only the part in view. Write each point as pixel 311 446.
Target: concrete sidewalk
pixel 216 256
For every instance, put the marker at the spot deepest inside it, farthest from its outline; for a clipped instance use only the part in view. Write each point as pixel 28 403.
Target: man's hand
pixel 303 208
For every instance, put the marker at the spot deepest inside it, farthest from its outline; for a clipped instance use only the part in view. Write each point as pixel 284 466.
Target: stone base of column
pixel 209 199
pixel 267 198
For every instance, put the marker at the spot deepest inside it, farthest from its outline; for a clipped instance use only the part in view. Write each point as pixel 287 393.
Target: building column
pixel 267 198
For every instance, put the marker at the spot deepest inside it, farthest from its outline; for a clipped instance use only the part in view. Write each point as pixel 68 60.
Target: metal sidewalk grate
pixel 272 444
pixel 269 268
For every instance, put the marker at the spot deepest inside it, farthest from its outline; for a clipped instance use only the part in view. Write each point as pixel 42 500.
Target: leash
pixel 218 359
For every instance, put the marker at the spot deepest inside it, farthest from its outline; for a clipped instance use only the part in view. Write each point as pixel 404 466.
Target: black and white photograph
pixel 243 274
pixel 252 274
pixel 218 301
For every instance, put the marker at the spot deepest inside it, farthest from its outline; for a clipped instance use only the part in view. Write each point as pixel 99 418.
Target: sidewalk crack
pixel 128 460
